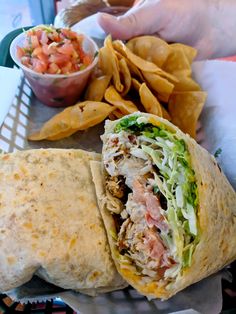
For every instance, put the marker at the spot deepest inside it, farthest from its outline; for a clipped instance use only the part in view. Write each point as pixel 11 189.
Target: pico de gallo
pixel 51 50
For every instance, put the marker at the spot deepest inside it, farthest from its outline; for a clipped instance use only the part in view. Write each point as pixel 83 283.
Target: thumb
pixel 125 26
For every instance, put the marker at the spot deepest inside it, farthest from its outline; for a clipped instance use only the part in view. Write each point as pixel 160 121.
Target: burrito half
pixel 50 224
pixel 169 211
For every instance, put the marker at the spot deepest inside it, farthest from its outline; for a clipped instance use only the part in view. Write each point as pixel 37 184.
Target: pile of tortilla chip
pixel 145 74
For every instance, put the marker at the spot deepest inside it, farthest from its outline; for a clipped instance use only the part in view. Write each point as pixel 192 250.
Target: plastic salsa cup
pixel 57 90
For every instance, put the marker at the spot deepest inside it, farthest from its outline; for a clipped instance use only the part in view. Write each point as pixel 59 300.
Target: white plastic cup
pixel 57 90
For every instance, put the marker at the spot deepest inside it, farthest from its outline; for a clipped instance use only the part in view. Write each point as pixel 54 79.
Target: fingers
pixel 137 21
pixel 122 28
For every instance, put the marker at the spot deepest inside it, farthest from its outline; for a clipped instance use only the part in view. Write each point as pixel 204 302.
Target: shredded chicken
pixel 125 164
pixel 116 186
pixel 131 167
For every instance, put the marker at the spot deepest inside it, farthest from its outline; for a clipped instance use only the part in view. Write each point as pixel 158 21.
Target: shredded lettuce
pixel 179 196
pixel 177 231
pixel 129 123
pixel 187 255
pixel 175 180
pixel 157 158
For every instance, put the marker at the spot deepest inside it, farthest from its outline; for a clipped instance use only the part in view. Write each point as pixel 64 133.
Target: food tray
pixel 25 116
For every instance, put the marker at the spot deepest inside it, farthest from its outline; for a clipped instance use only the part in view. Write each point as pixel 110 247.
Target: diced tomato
pixel 75 67
pixel 153 206
pixel 39 54
pixel 54 36
pixel 30 32
pixel 43 57
pixel 153 214
pixel 87 60
pixel 154 244
pixel 45 49
pixel 44 38
pixel 59 58
pixel 66 49
pixel 80 51
pixel 38 33
pixel 49 49
pixel 67 68
pixel 38 65
pixel 19 52
pixel 37 51
pixel 34 41
pixel 68 33
pixel 27 44
pixel 139 192
pixel 54 69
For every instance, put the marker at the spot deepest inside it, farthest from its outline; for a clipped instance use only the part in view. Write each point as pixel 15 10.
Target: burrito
pixel 169 211
pixel 50 224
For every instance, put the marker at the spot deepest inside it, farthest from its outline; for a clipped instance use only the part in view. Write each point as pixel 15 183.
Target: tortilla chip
pixel 165 113
pixel 93 112
pixel 134 68
pixel 114 98
pixel 140 63
pixel 159 84
pixel 75 118
pixel 149 101
pixel 97 87
pixel 177 61
pixel 185 83
pixel 135 72
pixel 185 109
pixel 118 47
pixel 136 84
pixel 118 114
pixel 57 137
pixel 179 64
pixel 150 48
pixel 119 55
pixel 125 76
pixel 115 64
pixel 189 51
pixel 58 124
pixel 104 61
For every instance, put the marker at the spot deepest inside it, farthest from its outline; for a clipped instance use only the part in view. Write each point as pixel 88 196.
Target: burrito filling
pixel 148 169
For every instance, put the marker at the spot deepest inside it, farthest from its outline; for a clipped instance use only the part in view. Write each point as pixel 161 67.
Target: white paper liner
pixel 218 119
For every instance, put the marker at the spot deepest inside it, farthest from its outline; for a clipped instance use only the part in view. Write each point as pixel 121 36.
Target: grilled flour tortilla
pixel 169 211
pixel 50 224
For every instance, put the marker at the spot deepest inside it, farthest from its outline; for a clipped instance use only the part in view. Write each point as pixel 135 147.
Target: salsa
pixel 51 50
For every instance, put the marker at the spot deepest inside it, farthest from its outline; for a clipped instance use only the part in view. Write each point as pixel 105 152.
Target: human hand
pixel 207 25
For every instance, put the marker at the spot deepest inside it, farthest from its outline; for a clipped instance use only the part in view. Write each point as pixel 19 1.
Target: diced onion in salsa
pixel 51 50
